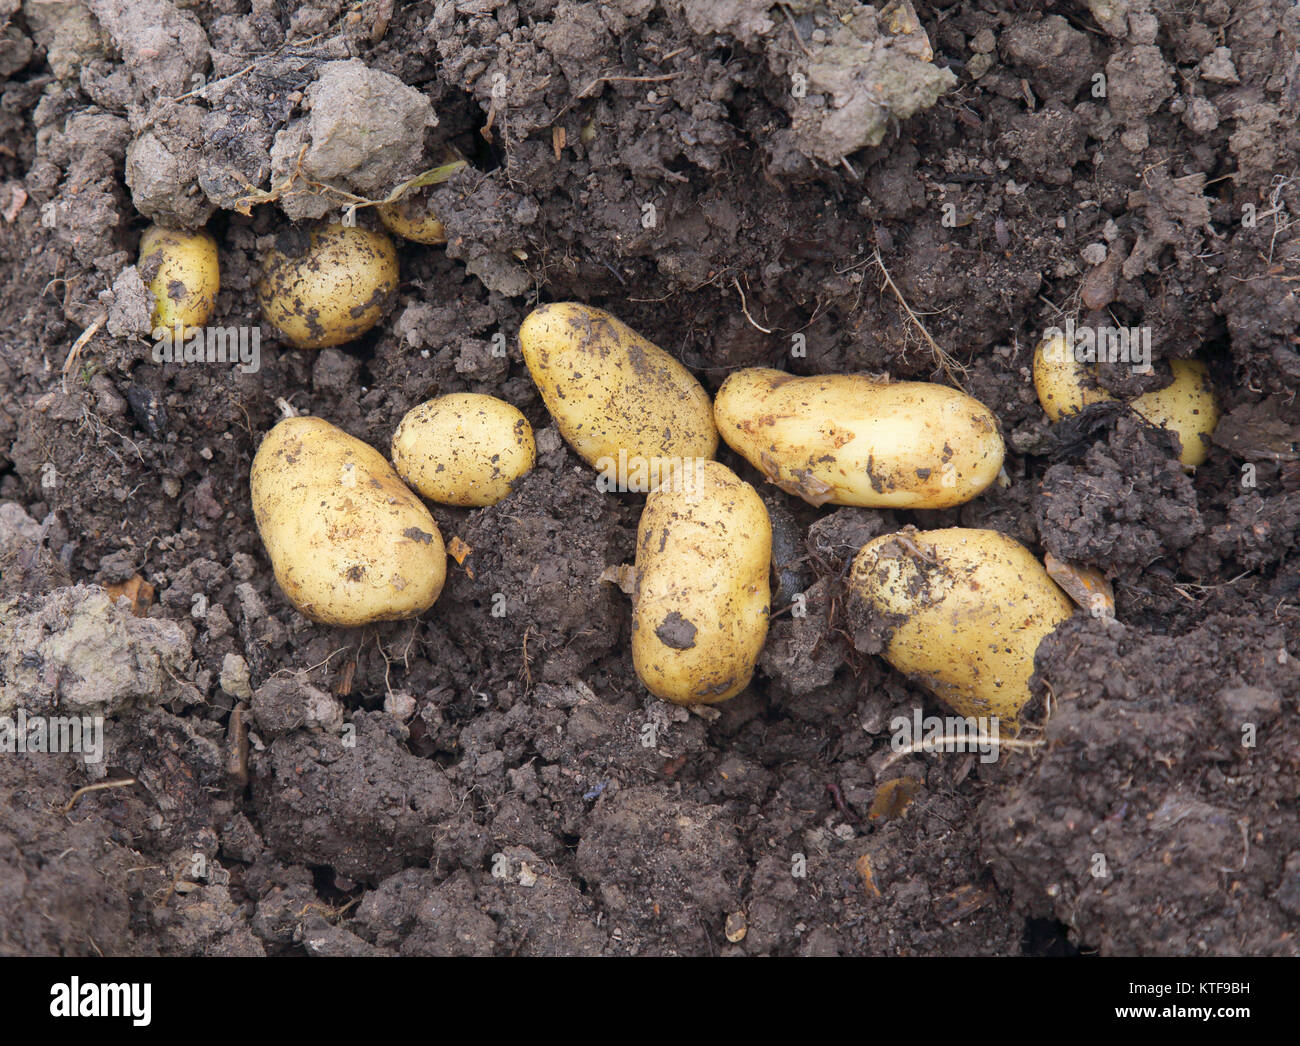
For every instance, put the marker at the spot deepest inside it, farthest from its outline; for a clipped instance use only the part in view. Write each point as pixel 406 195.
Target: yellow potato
pixel 1188 407
pixel 348 542
pixel 332 291
pixel 620 400
pixel 850 440
pixel 463 449
pixel 185 286
pixel 967 609
pixel 700 604
pixel 411 219
pixel 1064 385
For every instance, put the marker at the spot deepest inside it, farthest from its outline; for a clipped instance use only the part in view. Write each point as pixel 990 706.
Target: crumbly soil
pixel 491 778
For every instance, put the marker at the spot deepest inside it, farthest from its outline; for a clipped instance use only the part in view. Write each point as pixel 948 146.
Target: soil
pixel 745 183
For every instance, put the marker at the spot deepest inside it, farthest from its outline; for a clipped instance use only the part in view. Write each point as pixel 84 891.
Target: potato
pixel 1064 385
pixel 328 287
pixel 851 440
pixel 411 219
pixel 463 449
pixel 700 603
pixel 348 542
pixel 188 278
pixel 1188 407
pixel 966 611
pixel 619 400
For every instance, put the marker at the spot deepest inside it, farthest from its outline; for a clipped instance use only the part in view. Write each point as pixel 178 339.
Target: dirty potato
pixel 412 219
pixel 328 286
pixel 964 612
pixel 1188 406
pixel 187 276
pixel 619 400
pixel 463 449
pixel 348 542
pixel 700 605
pixel 850 440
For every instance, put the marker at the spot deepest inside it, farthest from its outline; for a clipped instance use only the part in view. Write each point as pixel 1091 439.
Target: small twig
pixel 100 786
pixel 745 308
pixel 74 353
pixel 795 29
pixel 942 359
pixel 936 744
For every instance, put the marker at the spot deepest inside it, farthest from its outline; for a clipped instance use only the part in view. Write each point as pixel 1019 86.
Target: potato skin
pixel 463 449
pixel 412 220
pixel 188 279
pixel 850 440
pixel 1064 385
pixel 967 609
pixel 701 601
pixel 1188 406
pixel 348 542
pixel 331 291
pixel 610 389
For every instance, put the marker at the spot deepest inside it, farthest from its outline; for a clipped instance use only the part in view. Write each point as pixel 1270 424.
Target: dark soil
pixel 492 778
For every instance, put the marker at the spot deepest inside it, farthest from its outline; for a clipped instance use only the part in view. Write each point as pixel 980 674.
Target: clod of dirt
pixel 285 703
pixel 365 134
pixel 76 651
pixel 365 806
pixel 162 168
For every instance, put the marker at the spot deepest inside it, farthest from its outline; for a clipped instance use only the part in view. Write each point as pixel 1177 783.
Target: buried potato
pixel 964 611
pixel 618 399
pixel 187 278
pixel 851 440
pixel 1188 406
pixel 700 605
pixel 328 286
pixel 348 542
pixel 463 449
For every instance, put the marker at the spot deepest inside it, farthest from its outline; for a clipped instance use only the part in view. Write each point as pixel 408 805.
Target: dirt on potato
pixel 918 190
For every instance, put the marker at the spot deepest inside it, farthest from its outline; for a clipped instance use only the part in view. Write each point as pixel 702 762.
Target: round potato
pixel 700 604
pixel 850 440
pixel 620 400
pixel 329 286
pixel 187 279
pixel 412 219
pixel 1188 406
pixel 463 449
pixel 348 542
pixel 964 611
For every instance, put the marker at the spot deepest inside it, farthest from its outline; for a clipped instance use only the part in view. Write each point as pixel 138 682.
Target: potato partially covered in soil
pixel 704 548
pixel 1188 406
pixel 964 611
pixel 851 440
pixel 349 543
pixel 614 393
pixel 188 276
pixel 463 449
pixel 329 286
pixel 413 219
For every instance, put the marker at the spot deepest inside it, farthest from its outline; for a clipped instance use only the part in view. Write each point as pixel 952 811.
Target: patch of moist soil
pixel 744 183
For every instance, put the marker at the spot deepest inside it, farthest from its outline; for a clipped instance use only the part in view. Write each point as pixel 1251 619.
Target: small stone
pixel 234 677
pixel 1094 253
pixel 979 65
pixel 1217 67
pixel 984 41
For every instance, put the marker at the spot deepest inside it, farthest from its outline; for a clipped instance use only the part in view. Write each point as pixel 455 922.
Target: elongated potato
pixel 329 286
pixel 850 440
pixel 1188 406
pixel 463 449
pixel 966 610
pixel 700 606
pixel 348 542
pixel 188 277
pixel 610 390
